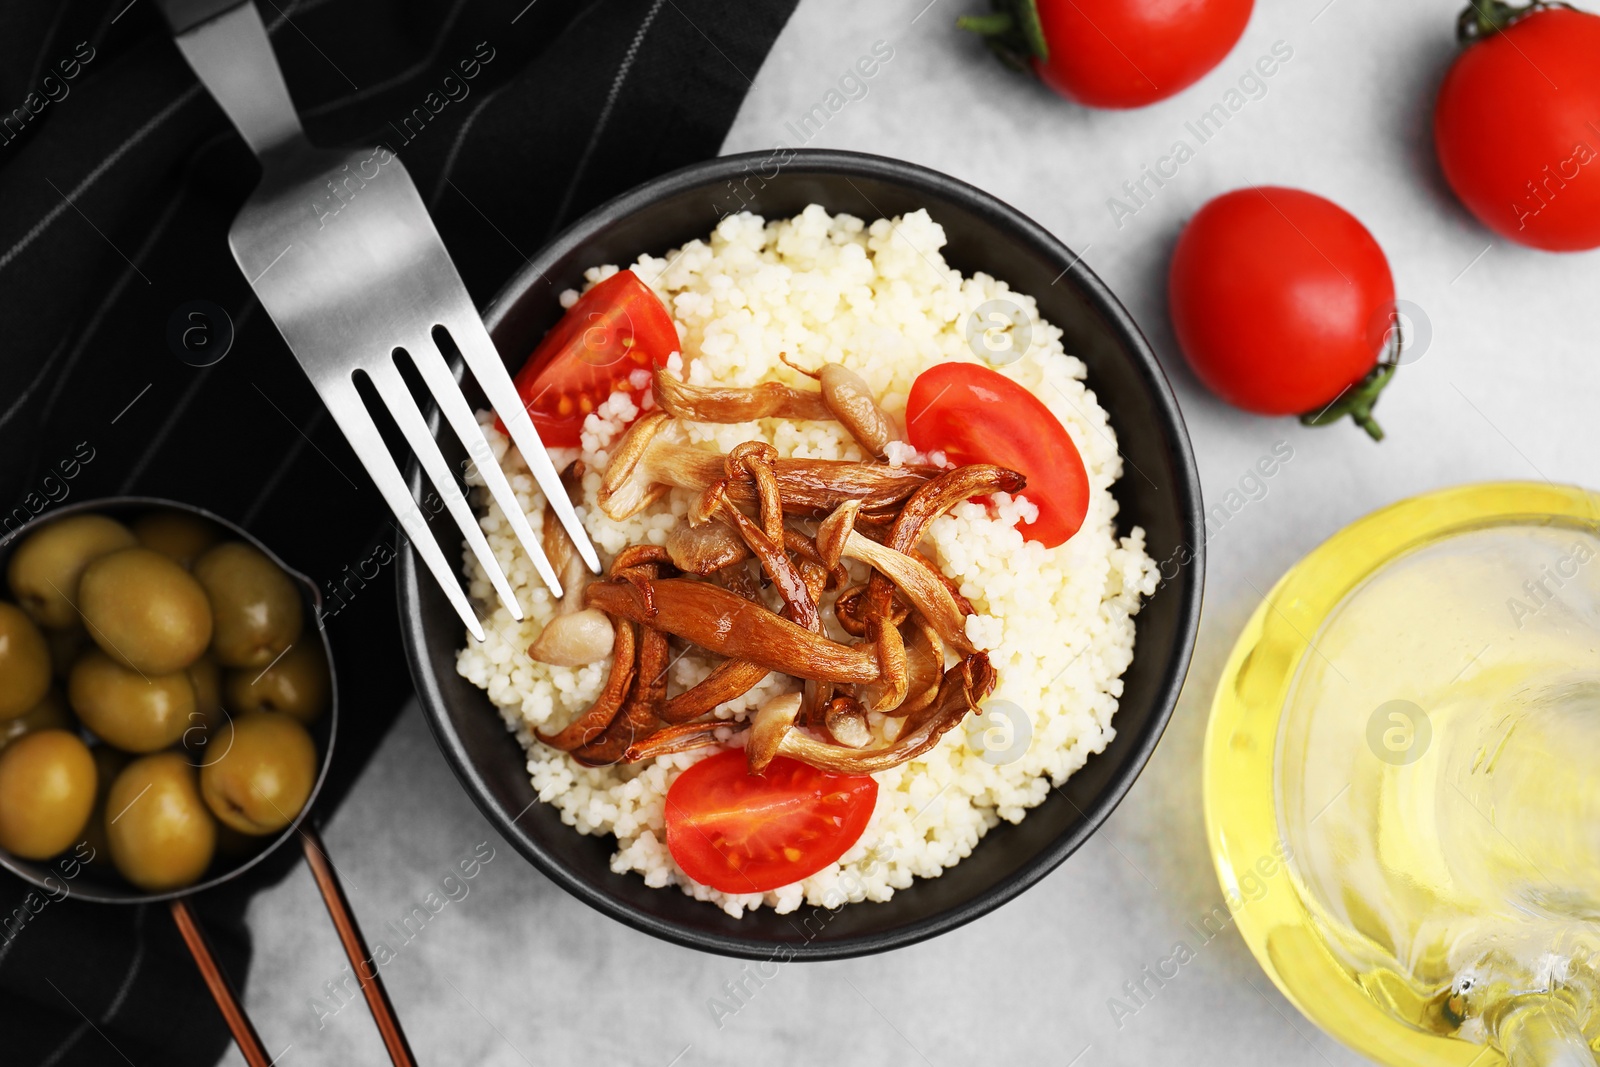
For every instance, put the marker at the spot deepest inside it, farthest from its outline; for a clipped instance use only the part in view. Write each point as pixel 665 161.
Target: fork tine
pixel 478 350
pixel 350 412
pixel 397 397
pixel 457 412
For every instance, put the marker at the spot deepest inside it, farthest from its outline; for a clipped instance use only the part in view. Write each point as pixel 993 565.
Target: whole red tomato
pixel 1517 124
pixel 1114 53
pixel 1282 302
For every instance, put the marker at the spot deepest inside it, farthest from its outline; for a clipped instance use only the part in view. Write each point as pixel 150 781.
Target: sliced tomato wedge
pixel 742 833
pixel 616 328
pixel 977 415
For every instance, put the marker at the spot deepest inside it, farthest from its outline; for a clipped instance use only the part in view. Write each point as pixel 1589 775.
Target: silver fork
pixel 339 247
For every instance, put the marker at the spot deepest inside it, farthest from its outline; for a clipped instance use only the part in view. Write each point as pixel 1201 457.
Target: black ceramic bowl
pixel 1159 491
pixel 100 883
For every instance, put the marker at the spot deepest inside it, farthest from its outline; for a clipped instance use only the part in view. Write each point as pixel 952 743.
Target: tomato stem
pixel 1357 402
pixel 1485 17
pixel 1012 31
pixel 991 25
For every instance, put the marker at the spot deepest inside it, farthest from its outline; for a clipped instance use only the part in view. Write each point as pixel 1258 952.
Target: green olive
pixel 180 536
pixel 144 610
pixel 255 605
pixel 45 568
pixel 47 784
pixel 160 833
pixel 264 774
pixel 24 662
pixel 297 685
pixel 51 713
pixel 135 712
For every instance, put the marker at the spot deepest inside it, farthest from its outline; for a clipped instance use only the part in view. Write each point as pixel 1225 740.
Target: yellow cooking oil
pixel 1413 717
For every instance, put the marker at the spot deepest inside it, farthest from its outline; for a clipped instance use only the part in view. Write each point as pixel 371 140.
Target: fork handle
pixel 227 45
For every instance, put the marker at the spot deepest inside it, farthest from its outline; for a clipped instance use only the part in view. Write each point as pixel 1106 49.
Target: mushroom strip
pixel 577 635
pixel 773 732
pixel 705 549
pixel 797 599
pixel 922 586
pixel 924 668
pixel 851 403
pixel 721 403
pixel 848 397
pixel 589 726
pixel 804 547
pixel 715 546
pixel 753 460
pixel 846 722
pixel 925 505
pixel 643 463
pixel 735 677
pixel 638 719
pixel 731 678
pixel 844 398
pixel 893 683
pixel 557 545
pixel 928 503
pixel 670 739
pixel 728 625
pixel 945 492
pixel 739 579
pixel 638 565
pixel 850 608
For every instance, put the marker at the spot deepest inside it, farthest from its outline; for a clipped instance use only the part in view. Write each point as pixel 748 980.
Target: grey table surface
pixel 517 972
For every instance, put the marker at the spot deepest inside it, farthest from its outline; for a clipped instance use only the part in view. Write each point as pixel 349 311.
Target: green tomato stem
pixel 991 25
pixel 1012 31
pixel 1483 18
pixel 1357 402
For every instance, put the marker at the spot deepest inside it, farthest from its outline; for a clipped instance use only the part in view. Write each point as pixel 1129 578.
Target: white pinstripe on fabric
pixel 623 69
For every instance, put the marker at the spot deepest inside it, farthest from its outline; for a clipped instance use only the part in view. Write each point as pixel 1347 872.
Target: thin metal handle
pixel 232 56
pixel 244 1033
pixel 355 947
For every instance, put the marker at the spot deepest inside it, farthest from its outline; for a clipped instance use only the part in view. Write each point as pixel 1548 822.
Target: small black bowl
pixel 1159 491
pixel 100 883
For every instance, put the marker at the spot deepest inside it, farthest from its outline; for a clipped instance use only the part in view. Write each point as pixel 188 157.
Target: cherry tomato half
pixel 1282 302
pixel 616 328
pixel 742 833
pixel 1515 129
pixel 1116 53
pixel 977 415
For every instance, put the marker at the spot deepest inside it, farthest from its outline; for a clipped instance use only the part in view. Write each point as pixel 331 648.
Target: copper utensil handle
pixel 221 989
pixel 355 947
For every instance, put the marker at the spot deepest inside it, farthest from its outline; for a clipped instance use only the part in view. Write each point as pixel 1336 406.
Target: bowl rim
pixel 1186 487
pixel 312 598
